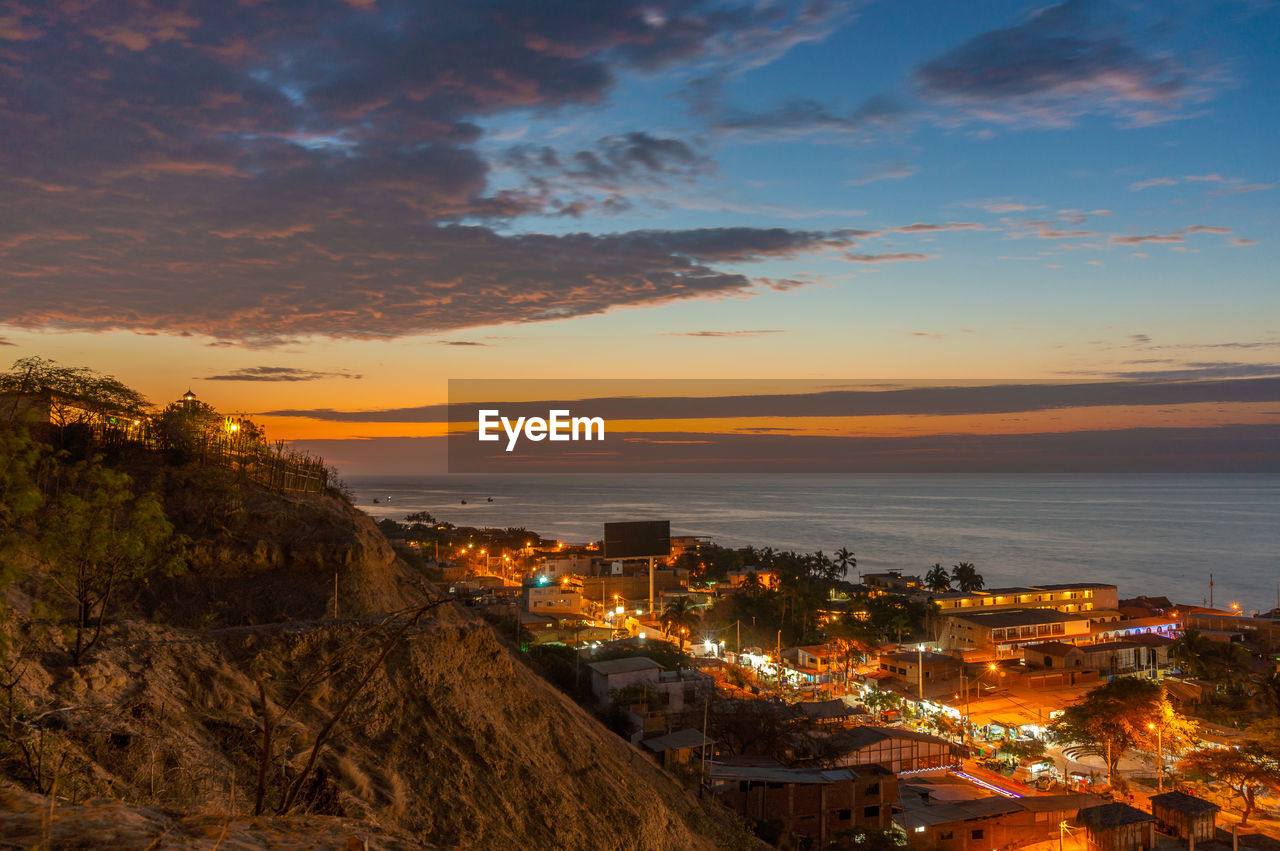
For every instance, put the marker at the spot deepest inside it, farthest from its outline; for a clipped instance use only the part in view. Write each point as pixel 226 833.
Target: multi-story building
pixel 557 598
pixel 984 823
pixel 921 668
pixel 1066 597
pixel 650 692
pixel 900 751
pixel 1000 634
pixel 891 582
pixel 1263 632
pixel 813 803
pixel 1144 657
pixel 1164 626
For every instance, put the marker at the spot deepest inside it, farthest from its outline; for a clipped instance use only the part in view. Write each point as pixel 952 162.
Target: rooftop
pixel 1112 815
pixel 1015 590
pixel 687 738
pixel 1053 648
pixel 624 666
pixel 915 655
pixel 917 813
pixel 1112 646
pixel 1015 617
pixel 859 737
pixel 1184 803
pixel 824 710
pixel 778 774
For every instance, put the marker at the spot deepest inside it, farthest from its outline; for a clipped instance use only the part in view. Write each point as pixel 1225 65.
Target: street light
pixel 1159 756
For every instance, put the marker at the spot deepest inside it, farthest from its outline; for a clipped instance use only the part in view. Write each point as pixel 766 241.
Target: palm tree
pixel 938 579
pixel 679 615
pixel 1234 665
pixel 1194 653
pixel 846 559
pixel 751 584
pixel 967 577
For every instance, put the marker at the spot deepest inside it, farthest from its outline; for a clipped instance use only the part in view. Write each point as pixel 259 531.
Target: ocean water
pixel 1148 534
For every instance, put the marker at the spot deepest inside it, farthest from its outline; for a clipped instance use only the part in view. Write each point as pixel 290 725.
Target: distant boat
pixel 376 500
pixel 491 499
pixel 464 502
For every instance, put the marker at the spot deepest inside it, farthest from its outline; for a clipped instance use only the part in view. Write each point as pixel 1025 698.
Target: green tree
pixel 1119 716
pixel 74 393
pixel 1269 692
pixel 185 426
pixel 20 495
pixel 1249 768
pixel 679 615
pixel 845 559
pixel 937 579
pixel 1194 654
pixel 966 577
pixel 97 535
pixel 1234 665
pixel 869 839
pixel 751 584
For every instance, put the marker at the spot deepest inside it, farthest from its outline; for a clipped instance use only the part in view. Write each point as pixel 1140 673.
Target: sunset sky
pixel 337 207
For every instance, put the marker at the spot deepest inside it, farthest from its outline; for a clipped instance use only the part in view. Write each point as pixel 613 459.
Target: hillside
pixel 453 742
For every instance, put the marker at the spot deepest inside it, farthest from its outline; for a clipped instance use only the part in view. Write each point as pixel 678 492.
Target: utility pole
pixel 779 662
pixel 1159 756
pixel 920 671
pixel 1211 590
pixel 651 585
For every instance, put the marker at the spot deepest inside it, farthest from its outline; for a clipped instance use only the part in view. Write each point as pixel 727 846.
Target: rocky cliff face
pixel 453 742
pixel 259 557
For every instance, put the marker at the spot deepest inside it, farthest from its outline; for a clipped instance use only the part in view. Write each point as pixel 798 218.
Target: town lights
pixel 619 610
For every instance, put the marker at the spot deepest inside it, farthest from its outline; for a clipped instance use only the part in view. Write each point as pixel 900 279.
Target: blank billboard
pixel 637 539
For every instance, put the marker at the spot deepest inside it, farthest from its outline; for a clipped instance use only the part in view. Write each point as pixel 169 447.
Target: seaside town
pixel 824 704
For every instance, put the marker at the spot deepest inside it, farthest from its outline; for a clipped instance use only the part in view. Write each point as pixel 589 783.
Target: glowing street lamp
pixel 1159 756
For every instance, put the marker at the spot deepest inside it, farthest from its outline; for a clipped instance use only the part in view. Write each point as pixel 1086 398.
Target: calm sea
pixel 1156 534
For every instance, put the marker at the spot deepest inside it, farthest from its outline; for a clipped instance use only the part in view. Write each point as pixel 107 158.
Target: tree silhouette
pixel 937 579
pixel 679 614
pixel 966 577
pixel 1248 768
pixel 97 535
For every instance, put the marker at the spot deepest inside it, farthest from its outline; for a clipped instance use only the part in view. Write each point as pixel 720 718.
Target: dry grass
pixel 453 742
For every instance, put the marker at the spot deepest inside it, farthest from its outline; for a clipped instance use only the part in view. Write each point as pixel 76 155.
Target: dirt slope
pixel 454 742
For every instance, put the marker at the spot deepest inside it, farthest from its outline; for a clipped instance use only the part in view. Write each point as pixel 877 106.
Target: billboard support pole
pixel 651 585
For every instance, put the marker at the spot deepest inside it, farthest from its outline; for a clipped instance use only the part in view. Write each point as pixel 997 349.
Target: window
pixel 947 834
pixel 871 812
pixel 844 815
pixel 872 790
pixel 975 834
